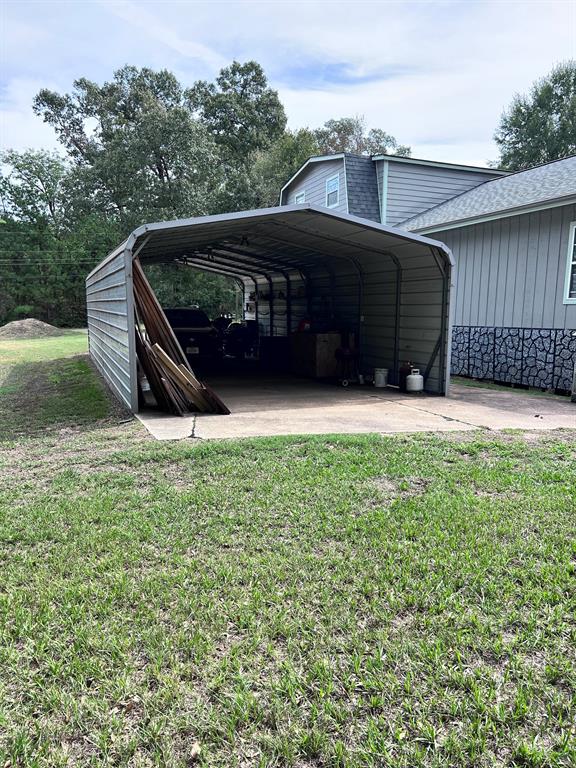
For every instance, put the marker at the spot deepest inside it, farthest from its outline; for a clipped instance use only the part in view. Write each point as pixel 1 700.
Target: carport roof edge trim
pixel 257 213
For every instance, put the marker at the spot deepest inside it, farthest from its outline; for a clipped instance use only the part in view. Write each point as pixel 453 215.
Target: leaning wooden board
pixel 171 378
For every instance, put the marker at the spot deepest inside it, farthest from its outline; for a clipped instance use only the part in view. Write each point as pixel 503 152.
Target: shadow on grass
pixel 40 397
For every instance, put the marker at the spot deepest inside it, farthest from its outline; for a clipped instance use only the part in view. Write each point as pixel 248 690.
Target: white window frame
pixel 337 179
pixel 301 194
pixel 570 264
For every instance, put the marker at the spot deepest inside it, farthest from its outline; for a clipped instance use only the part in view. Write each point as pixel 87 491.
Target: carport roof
pixel 270 240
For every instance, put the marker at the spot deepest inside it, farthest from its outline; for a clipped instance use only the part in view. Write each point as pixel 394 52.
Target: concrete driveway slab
pixel 286 406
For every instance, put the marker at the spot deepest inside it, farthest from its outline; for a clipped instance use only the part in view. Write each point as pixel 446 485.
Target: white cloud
pixel 466 69
pixel 453 66
pixel 155 29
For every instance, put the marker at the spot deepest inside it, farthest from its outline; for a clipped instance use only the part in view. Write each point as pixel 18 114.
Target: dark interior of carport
pixel 384 291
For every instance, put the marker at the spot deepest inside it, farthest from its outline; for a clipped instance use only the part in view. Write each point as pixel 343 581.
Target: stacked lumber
pixel 163 362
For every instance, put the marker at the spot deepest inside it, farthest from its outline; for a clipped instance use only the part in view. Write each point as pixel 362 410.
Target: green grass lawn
pixel 323 601
pixel 46 383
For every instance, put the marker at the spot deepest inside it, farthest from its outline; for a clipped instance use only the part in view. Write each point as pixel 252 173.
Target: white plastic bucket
pixel 380 377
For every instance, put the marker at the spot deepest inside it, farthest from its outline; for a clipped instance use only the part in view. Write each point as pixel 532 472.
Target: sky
pixel 436 75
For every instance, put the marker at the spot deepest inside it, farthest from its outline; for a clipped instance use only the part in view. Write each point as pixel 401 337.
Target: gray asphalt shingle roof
pixel 542 184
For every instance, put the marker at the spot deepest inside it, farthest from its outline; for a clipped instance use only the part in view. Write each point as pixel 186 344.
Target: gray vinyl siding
pixel 312 181
pixel 510 272
pixel 361 187
pixel 110 326
pixel 413 188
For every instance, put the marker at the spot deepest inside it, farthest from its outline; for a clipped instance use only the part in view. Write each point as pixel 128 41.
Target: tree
pixel 177 285
pixel 44 254
pixel 145 157
pixel 541 126
pixel 240 110
pixel 272 168
pixel 32 187
pixel 348 134
pixel 142 148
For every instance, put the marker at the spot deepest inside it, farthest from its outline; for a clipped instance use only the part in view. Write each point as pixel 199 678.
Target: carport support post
pixel 256 313
pixel 449 311
pixel 288 305
pixel 445 339
pixel 271 305
pixel 130 326
pixel 397 323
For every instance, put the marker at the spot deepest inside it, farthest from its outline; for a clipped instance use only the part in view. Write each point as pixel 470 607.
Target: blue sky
pixel 436 75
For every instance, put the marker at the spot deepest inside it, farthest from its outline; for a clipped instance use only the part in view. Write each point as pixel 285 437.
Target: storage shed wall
pixel 110 325
pixel 511 271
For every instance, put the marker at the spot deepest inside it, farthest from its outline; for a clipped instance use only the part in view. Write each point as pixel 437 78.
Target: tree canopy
pixel 240 110
pixel 136 150
pixel 32 189
pixel 541 126
pixel 349 134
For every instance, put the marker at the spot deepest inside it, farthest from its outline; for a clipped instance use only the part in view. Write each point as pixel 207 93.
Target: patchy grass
pixel 324 601
pixel 48 384
pixel 463 381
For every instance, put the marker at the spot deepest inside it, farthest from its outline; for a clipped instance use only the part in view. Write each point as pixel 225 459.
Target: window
pixel 300 197
pixel 570 289
pixel 332 191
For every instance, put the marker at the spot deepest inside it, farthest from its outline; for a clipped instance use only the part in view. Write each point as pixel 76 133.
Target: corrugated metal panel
pixel 511 271
pixel 110 325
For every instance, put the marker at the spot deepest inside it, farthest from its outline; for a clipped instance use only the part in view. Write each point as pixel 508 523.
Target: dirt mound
pixel 28 329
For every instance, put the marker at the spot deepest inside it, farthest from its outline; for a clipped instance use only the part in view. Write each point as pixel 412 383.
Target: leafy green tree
pixel 177 285
pixel 137 153
pixel 32 187
pixel 240 110
pixel 44 256
pixel 273 167
pixel 348 134
pixel 144 156
pixel 541 126
pixel 42 274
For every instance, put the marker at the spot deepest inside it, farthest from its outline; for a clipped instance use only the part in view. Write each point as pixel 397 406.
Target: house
pixel 513 241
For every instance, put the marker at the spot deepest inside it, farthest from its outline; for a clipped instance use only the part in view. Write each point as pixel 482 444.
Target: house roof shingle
pixel 525 189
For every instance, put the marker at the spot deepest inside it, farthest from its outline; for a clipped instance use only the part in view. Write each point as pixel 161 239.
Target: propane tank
pixel 415 382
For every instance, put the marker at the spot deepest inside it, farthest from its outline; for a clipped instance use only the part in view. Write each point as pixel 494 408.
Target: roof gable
pixel 304 166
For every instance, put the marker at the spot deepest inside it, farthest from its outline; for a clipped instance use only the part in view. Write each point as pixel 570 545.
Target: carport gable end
pixel 391 288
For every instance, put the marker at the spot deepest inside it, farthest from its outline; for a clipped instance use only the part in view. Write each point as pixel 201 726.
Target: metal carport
pixel 390 287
